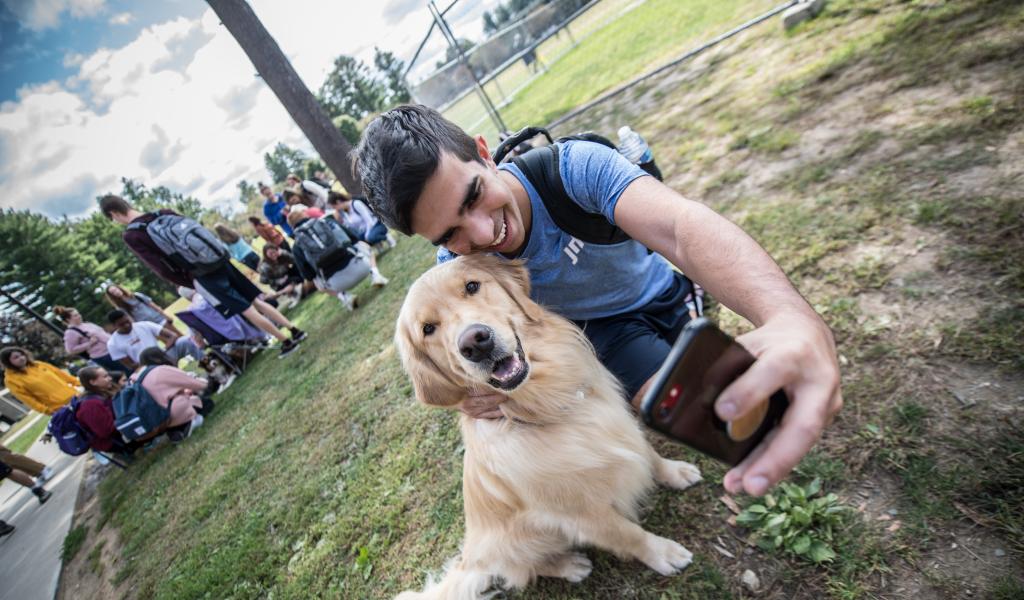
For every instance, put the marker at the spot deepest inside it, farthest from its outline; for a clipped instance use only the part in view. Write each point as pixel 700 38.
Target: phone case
pixel 680 402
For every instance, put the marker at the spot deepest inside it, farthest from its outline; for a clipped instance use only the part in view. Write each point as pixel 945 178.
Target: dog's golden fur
pixel 567 466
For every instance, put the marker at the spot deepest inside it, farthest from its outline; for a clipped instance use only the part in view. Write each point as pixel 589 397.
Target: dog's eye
pixel 472 287
pixel 428 328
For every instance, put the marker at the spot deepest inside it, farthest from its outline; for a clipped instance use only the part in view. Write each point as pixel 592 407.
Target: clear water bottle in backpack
pixel 633 146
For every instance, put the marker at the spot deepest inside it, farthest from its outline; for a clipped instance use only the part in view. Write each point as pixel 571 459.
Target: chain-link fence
pixel 472 92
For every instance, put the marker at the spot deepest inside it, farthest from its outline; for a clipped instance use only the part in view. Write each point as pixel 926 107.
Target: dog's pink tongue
pixel 507 368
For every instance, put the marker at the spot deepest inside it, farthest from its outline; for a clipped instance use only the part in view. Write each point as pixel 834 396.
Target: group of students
pixel 329 242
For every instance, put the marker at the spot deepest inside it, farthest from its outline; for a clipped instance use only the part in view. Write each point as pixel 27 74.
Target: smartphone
pixel 681 401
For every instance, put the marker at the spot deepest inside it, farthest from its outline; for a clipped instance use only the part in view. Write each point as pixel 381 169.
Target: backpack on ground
pixel 325 243
pixel 186 243
pixel 136 413
pixel 72 438
pixel 540 166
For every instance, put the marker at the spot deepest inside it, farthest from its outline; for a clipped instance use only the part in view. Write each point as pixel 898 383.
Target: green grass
pixel 29 436
pixel 73 543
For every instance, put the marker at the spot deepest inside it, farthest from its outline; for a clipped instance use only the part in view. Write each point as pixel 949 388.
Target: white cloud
pixel 180 105
pixel 46 14
pixel 121 18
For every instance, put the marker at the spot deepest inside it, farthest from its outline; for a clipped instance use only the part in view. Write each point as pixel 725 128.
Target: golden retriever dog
pixel 566 467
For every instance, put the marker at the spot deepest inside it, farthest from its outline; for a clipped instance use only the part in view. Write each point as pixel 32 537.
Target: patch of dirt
pixel 90 573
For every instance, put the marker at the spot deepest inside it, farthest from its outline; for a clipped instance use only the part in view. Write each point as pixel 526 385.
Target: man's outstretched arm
pixel 793 345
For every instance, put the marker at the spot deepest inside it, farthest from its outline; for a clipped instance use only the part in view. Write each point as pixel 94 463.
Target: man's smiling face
pixel 467 207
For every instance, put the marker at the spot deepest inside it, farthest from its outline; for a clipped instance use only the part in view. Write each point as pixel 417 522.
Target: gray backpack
pixel 186 243
pixel 325 244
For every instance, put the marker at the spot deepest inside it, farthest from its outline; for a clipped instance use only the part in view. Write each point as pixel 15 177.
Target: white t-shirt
pixel 144 334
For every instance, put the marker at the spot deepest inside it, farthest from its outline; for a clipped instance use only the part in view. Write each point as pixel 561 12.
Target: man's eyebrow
pixel 472 191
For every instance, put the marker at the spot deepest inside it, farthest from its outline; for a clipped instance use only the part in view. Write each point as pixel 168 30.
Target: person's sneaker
pixel 5 528
pixel 297 334
pixel 348 301
pixel 378 280
pixel 287 347
pixel 46 474
pixel 41 494
pixel 391 240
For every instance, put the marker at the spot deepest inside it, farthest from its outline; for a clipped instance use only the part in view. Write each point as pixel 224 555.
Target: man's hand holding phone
pixel 795 353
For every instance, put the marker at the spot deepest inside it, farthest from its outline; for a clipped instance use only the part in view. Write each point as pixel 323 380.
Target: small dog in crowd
pixel 567 466
pixel 217 371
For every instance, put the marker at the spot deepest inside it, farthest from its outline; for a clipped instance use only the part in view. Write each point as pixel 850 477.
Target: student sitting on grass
pixel 131 338
pixel 96 411
pixel 278 270
pixel 39 385
pixel 240 249
pixel 175 390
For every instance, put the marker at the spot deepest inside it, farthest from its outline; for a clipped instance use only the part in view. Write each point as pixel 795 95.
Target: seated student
pixel 131 338
pixel 339 272
pixel 354 214
pixel 86 339
pixel 175 390
pixel 240 249
pixel 295 196
pixel 313 193
pixel 270 233
pixel 39 385
pixel 278 270
pixel 96 411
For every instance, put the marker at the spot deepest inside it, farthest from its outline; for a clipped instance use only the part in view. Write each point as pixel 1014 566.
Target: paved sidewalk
pixel 30 557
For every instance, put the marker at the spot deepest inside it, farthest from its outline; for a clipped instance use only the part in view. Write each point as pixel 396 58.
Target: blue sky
pixel 159 92
pixel 38 55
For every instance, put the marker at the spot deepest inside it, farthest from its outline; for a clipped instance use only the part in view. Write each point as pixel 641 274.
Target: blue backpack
pixel 71 437
pixel 136 413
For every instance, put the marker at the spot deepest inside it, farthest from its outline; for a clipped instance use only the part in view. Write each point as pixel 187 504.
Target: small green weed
pixel 73 543
pixel 95 564
pixel 794 521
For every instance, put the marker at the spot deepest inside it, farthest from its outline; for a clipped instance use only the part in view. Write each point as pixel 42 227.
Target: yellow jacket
pixel 41 386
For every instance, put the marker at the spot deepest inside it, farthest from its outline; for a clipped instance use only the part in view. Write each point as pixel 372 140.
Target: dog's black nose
pixel 476 342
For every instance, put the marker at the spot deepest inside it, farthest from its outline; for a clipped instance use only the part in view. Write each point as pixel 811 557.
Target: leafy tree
pixel 393 71
pixel 502 16
pixel 246 192
pixel 311 167
pixel 18 330
pixel 284 160
pixel 349 127
pixel 451 53
pixel 351 89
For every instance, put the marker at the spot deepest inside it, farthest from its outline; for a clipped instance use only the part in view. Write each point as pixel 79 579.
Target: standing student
pixel 240 250
pixel 22 478
pixel 87 339
pixel 274 208
pixel 40 385
pixel 312 192
pixel 228 290
pixel 31 466
pixel 140 307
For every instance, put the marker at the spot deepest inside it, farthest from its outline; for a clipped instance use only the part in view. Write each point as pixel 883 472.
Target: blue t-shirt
pixel 273 211
pixel 588 281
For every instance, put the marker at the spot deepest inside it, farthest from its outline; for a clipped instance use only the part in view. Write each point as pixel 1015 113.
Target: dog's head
pixel 462 326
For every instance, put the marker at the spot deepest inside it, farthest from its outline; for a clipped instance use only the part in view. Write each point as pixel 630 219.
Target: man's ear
pixel 430 381
pixel 483 150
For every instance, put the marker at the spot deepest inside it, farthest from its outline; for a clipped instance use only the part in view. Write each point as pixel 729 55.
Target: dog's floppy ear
pixel 513 277
pixel 430 381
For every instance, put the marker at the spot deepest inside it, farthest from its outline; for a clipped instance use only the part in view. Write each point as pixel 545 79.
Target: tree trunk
pixel 277 72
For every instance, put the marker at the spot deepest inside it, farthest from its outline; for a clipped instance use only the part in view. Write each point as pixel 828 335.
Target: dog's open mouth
pixel 511 370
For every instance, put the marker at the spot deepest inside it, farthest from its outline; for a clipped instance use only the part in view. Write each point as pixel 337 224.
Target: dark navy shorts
pixel 633 346
pixel 227 290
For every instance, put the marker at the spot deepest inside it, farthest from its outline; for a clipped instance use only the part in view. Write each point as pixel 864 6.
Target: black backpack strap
pixel 540 166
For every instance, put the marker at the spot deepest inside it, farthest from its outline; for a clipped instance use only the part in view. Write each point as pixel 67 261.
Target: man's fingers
pixel 765 377
pixel 799 431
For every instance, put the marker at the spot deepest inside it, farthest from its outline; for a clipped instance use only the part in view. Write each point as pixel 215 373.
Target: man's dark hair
pixel 111 204
pixel 114 315
pixel 399 151
pixel 154 357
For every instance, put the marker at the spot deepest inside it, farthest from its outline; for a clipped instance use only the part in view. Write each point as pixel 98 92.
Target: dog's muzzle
pixel 508 368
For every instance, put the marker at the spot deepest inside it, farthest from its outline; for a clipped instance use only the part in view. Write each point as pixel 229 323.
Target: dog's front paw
pixel 677 474
pixel 572 566
pixel 666 556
